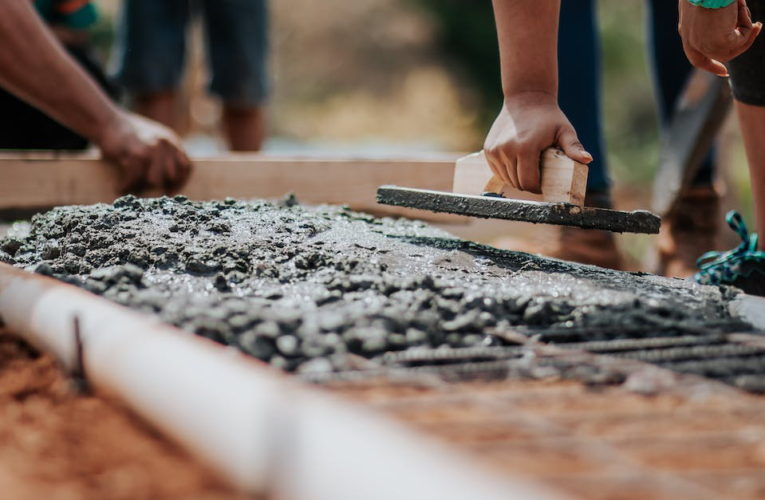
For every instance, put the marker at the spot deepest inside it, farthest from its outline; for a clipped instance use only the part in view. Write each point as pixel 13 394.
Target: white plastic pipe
pixel 259 429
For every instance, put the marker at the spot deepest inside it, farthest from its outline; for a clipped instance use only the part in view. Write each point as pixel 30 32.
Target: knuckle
pixel 522 148
pixel 135 164
pixel 717 45
pixel 509 147
pixel 530 174
pixel 144 151
pixel 707 47
pixel 525 149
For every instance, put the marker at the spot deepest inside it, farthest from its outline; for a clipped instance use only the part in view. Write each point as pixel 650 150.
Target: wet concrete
pixel 497 207
pixel 316 289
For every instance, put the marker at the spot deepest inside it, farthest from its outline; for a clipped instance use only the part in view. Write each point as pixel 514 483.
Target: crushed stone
pixel 316 288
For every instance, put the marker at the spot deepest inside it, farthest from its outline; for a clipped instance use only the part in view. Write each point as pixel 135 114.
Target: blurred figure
pixel 692 229
pixel 721 37
pixel 25 127
pixel 151 49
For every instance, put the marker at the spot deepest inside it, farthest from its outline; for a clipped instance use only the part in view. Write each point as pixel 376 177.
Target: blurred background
pixel 393 77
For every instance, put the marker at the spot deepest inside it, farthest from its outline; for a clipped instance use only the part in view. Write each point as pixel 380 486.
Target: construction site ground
pixel 61 444
pixel 599 384
pixel 698 440
pixel 666 436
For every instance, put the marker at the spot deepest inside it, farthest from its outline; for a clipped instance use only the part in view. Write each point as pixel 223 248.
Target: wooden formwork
pixel 34 180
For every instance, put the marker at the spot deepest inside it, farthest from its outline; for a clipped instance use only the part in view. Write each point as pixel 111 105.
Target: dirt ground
pixel 58 444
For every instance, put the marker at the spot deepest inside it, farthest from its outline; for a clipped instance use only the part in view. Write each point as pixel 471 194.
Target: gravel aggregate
pixel 312 289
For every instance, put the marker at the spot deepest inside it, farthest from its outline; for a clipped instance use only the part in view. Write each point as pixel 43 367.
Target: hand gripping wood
pixel 563 179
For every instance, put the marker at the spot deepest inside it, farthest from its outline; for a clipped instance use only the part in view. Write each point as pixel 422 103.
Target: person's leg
pixel 151 47
pixel 245 127
pixel 237 32
pixel 747 74
pixel 579 96
pixel 693 226
pixel 160 106
pixel 745 268
pixel 670 70
pixel 579 93
pixel 752 121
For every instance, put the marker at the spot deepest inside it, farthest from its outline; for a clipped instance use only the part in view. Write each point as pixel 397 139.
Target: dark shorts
pixel 151 46
pixel 747 71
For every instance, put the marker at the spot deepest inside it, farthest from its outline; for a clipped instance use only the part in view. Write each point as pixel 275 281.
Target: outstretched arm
pixel 34 66
pixel 530 120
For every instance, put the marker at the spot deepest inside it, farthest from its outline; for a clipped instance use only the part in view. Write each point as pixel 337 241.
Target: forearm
pixel 528 45
pixel 35 67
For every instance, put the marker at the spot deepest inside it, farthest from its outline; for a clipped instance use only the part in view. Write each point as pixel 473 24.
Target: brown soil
pixel 58 444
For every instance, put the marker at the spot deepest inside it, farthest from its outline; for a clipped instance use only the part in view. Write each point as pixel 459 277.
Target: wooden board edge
pixel 37 180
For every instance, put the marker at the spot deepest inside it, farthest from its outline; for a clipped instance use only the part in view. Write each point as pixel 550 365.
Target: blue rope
pixel 716 268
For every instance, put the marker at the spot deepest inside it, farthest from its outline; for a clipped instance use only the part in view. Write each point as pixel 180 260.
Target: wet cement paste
pixel 319 289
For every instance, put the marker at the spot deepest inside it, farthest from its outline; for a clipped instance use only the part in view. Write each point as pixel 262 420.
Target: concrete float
pixel 260 430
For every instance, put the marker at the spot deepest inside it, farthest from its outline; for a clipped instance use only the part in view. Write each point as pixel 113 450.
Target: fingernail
pixel 585 154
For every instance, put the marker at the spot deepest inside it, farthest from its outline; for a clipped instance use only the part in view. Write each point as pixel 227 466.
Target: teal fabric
pixel 80 19
pixel 712 4
pixel 723 268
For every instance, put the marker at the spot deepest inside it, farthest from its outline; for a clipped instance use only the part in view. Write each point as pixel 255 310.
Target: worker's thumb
pixel 569 142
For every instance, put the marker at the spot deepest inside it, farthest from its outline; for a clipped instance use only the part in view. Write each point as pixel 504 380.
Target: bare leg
pixel 159 106
pixel 244 127
pixel 752 122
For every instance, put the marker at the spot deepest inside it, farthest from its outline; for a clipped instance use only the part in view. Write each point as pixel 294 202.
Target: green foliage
pixel 468 37
pixel 102 37
pixel 630 120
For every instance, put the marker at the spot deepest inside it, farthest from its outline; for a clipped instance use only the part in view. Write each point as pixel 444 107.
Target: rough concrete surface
pixel 316 289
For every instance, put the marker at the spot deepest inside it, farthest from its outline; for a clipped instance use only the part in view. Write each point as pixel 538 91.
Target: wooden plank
pixel 563 179
pixel 43 179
